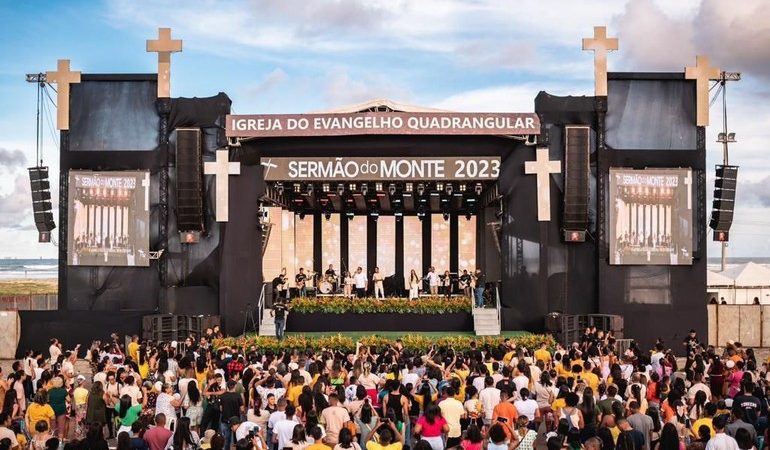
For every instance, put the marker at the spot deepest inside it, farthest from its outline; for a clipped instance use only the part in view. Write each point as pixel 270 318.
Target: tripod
pixel 249 317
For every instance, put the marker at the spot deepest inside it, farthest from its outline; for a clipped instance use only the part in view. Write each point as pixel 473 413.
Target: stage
pixel 585 205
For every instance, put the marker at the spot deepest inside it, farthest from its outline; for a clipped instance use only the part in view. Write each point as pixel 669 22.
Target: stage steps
pixel 485 322
pixel 267 325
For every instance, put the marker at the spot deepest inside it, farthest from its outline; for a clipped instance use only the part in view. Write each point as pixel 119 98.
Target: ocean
pixel 28 268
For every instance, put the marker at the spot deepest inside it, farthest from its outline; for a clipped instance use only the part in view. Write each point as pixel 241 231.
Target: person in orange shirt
pixel 505 412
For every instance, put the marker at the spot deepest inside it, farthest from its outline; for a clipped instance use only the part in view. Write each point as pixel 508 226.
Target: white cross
pixel 164 46
pixel 702 73
pixel 600 44
pixel 221 168
pixel 268 165
pixel 543 167
pixel 63 77
pixel 146 185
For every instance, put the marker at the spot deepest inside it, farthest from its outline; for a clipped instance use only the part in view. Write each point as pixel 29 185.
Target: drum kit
pixel 327 284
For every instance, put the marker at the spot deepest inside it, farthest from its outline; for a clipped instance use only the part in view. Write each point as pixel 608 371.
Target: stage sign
pixel 651 216
pixel 386 169
pixel 109 218
pixel 288 125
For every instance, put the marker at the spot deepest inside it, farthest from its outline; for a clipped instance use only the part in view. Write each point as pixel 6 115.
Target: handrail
pixel 261 305
pixel 497 303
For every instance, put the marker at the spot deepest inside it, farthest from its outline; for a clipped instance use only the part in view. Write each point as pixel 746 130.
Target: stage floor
pixel 397 334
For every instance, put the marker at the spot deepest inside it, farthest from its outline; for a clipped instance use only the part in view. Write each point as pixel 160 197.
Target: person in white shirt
pixel 698 385
pixel 361 282
pixel 283 429
pixel 132 390
pixel 54 350
pixel 433 280
pixel 489 398
pixel 526 406
pixel 721 440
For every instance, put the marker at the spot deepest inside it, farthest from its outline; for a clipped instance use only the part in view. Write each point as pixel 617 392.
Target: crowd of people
pixel 189 395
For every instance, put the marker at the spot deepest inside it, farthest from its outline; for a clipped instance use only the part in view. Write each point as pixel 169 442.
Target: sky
pixel 293 56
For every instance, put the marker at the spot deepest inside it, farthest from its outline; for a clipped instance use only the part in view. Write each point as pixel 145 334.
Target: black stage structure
pixel 647 120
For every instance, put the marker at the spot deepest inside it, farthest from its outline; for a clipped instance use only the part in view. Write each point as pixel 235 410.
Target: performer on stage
pixel 349 282
pixel 480 281
pixel 362 282
pixel 281 285
pixel 330 276
pixel 279 311
pixel 433 280
pixel 446 284
pixel 465 283
pixel 301 280
pixel 377 279
pixel 414 285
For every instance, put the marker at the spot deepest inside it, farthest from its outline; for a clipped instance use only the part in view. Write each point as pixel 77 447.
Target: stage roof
pixel 380 104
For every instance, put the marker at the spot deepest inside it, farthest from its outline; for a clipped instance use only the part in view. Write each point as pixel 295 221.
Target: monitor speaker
pixel 576 179
pixel 189 180
pixel 724 201
pixel 41 202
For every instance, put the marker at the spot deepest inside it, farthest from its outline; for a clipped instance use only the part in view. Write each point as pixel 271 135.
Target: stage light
pixel 391 189
pixel 352 187
pixel 325 187
pixel 463 187
pixel 328 215
pixel 340 189
pixel 449 189
pixel 378 187
pixel 445 216
pixel 724 138
pixel 350 214
pixel 421 212
pixel 479 188
pixel 297 188
pixel 278 186
pixel 409 187
pixel 364 189
pixel 420 189
pixel 302 215
pixel 309 189
pixel 468 216
pixel 439 186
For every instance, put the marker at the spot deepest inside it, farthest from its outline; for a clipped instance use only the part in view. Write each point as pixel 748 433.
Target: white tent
pixel 740 285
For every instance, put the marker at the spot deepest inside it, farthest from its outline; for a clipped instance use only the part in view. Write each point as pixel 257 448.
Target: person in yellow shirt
pixel 317 434
pixel 390 438
pixel 708 415
pixel 589 377
pixel 133 348
pixel 39 411
pixel 542 354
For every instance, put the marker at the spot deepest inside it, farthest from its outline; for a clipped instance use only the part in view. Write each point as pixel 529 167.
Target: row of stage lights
pixel 407 189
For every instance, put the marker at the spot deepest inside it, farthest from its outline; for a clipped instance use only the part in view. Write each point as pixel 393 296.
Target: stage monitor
pixel 109 218
pixel 651 216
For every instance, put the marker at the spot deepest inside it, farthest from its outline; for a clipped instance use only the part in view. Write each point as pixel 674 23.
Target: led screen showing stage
pixel 412 247
pixel 109 218
pixel 466 248
pixel 303 242
pixel 651 216
pixel 330 241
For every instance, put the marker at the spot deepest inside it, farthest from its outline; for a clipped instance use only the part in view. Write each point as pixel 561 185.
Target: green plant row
pixel 340 305
pixel 412 342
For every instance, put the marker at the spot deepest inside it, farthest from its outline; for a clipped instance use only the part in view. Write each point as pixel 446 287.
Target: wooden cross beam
pixel 600 44
pixel 702 73
pixel 221 168
pixel 63 78
pixel 164 46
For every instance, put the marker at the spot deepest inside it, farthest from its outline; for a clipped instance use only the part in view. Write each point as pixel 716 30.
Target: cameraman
pixel 248 431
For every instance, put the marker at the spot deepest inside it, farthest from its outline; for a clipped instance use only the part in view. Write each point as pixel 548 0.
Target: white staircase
pixel 267 325
pixel 486 322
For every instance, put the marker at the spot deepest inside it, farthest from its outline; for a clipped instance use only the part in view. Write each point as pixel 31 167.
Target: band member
pixel 301 280
pixel 446 284
pixel 362 282
pixel 414 285
pixel 281 285
pixel 433 280
pixel 348 286
pixel 480 280
pixel 377 279
pixel 330 276
pixel 465 283
pixel 279 311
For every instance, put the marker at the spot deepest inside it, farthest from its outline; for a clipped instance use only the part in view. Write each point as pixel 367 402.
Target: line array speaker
pixel 724 201
pixel 189 180
pixel 41 202
pixel 576 179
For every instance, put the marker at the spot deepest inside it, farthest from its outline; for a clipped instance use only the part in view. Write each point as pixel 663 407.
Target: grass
pixel 27 287
pixel 355 335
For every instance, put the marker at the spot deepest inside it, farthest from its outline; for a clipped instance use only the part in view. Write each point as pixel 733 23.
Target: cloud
pixel 506 98
pixel 16 206
pixel 341 89
pixel 753 193
pixel 480 54
pixel 11 159
pixel 268 83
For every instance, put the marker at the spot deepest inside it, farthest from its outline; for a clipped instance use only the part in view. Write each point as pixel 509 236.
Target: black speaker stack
pixel 189 183
pixel 576 182
pixel 723 205
pixel 41 202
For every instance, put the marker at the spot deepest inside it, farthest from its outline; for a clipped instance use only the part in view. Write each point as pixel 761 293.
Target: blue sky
pixel 273 56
